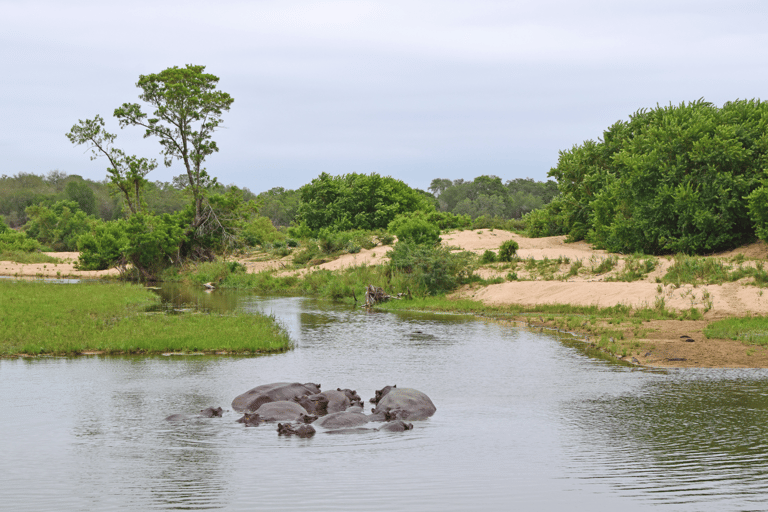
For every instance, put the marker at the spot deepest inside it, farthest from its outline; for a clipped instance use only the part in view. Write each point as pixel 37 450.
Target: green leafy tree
pixel 58 226
pixel 79 192
pixel 670 179
pixel 357 201
pixel 415 228
pixel 187 109
pixel 126 172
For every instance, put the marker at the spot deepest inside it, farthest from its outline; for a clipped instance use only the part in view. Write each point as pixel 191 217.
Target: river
pixel 525 420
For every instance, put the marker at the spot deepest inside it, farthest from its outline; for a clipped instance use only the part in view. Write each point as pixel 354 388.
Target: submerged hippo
pixel 284 410
pixel 254 398
pixel 342 420
pixel 302 430
pixel 209 412
pixel 403 403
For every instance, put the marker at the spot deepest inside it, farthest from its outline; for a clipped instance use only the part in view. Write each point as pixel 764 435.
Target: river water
pixel 525 420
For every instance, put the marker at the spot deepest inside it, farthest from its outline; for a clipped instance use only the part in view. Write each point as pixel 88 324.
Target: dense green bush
pixel 416 228
pixel 432 267
pixel 508 250
pixel 348 241
pixel 357 201
pixel 671 179
pixel 58 226
pixel 488 257
pixel 11 240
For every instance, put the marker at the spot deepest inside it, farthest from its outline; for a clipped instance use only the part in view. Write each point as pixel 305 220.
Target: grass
pixel 636 267
pixel 27 257
pixel 697 270
pixel 615 330
pixel 753 330
pixel 68 319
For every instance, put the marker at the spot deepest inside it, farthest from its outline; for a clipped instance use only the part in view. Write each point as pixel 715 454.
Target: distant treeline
pixel 96 198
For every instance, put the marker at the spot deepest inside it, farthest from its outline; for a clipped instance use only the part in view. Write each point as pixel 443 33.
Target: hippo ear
pixel 394 386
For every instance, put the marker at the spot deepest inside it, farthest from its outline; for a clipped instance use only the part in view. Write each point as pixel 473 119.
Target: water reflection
pixel 693 436
pixel 525 420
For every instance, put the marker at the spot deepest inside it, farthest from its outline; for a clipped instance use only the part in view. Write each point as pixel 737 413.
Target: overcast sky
pixel 413 89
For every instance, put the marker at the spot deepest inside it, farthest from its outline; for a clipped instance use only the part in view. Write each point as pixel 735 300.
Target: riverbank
pixel 95 318
pixel 642 309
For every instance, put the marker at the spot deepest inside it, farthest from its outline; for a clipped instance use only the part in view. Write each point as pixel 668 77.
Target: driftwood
pixel 375 294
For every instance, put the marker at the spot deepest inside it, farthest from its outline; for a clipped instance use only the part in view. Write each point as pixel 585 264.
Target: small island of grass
pixel 70 319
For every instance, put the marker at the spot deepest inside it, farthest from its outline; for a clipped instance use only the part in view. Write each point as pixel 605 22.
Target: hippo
pixel 303 430
pixel 338 401
pixel 250 420
pixel 354 398
pixel 403 403
pixel 252 399
pixel 380 393
pixel 342 420
pixel 396 426
pixel 209 412
pixel 314 404
pixel 284 410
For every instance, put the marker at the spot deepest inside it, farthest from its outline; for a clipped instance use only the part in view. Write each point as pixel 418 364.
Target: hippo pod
pixel 251 400
pixel 209 412
pixel 403 403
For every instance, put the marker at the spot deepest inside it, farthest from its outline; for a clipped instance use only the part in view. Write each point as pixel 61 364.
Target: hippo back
pixel 404 403
pixel 252 399
pixel 342 420
pixel 281 410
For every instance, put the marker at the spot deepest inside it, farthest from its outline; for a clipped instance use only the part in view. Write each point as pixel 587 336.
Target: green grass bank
pixel 69 319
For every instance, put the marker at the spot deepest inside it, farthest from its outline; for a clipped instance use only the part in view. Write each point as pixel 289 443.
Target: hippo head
pixel 381 393
pixel 250 420
pixel 210 412
pixel 354 398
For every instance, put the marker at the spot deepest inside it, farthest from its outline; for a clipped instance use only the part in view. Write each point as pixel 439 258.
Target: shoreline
pixel 562 301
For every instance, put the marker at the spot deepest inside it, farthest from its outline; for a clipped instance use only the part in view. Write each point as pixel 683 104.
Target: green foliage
pixel 259 231
pixel 43 318
pixel 356 201
pixel 79 192
pixel 58 226
pixel 17 241
pixel 671 179
pixel 127 172
pixel 433 268
pixel 486 196
pixel 187 110
pixel 280 205
pixel 752 330
pixel 508 250
pixel 104 247
pixel 636 267
pixel 488 257
pixel 149 243
pixel 757 205
pixel 415 227
pixel 347 241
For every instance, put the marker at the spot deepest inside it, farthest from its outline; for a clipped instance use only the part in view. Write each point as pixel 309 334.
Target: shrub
pixel 488 257
pixel 435 269
pixel 415 228
pixel 508 250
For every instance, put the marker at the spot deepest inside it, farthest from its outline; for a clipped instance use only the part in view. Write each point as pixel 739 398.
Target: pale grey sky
pixel 414 89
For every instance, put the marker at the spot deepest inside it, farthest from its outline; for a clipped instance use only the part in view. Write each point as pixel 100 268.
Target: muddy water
pixel 524 421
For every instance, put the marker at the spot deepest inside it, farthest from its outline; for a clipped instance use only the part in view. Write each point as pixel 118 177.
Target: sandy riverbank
pixel 585 289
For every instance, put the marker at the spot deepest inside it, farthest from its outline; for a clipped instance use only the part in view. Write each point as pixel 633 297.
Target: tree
pixel 187 110
pixel 127 172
